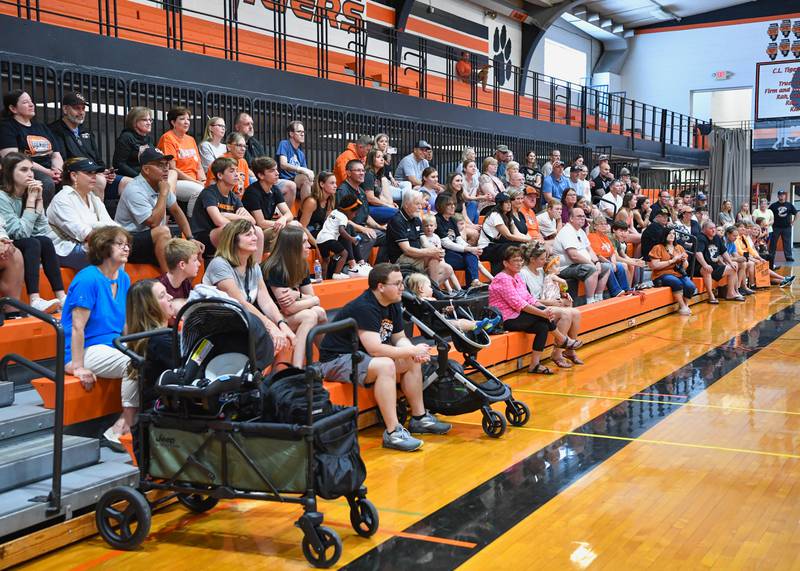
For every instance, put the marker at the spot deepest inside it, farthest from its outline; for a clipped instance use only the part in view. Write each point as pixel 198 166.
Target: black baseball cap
pixel 782 191
pixel 151 155
pixel 73 98
pixel 83 165
pixel 422 144
pixel 348 202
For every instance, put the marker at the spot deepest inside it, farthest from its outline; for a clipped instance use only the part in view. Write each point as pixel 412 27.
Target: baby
pixel 429 239
pixel 420 285
pixel 462 239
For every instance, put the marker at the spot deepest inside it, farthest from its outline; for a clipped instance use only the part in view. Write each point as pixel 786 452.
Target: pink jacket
pixel 509 295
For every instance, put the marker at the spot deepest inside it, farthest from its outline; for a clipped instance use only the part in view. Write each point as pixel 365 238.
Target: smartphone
pixel 391 151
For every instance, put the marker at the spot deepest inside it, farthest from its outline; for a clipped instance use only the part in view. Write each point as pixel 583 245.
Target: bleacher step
pixel 6 394
pixel 30 458
pixel 22 419
pixel 80 488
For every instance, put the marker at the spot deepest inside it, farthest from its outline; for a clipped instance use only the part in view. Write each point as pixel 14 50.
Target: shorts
pixel 415 263
pixel 142 248
pixel 112 190
pixel 716 272
pixel 330 246
pixel 577 271
pixel 339 369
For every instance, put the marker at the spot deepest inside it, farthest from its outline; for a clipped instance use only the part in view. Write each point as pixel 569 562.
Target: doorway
pixel 725 107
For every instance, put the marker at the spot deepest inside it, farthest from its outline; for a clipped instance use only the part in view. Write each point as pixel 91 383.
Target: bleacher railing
pixel 412 65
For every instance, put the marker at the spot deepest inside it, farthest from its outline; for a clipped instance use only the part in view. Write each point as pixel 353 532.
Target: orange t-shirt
pixel 532 222
pixel 601 244
pixel 184 149
pixel 660 254
pixel 244 175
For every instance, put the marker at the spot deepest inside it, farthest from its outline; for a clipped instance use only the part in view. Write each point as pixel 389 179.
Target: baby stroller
pixel 446 386
pixel 207 439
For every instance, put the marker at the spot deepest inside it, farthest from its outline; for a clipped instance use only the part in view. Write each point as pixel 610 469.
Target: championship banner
pixel 778 89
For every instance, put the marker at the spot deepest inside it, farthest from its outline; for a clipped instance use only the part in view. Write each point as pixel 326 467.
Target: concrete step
pixel 19 508
pixel 29 458
pixel 21 419
pixel 21 377
pixel 6 393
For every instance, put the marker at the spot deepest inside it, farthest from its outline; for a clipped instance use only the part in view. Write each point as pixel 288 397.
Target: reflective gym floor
pixel 675 447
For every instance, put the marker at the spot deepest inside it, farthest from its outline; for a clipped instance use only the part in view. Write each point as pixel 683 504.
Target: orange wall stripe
pixel 380 13
pixel 719 24
pixel 445 36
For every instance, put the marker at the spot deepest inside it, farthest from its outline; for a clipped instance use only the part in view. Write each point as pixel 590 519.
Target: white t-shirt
pixel 534 281
pixel 568 237
pixel 330 230
pixel 489 230
pixel 766 215
pixel 547 225
pixel 608 203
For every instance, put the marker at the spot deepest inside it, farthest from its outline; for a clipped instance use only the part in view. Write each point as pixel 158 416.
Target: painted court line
pixel 417 536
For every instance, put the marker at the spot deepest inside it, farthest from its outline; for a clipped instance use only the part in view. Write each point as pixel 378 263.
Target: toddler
pixel 420 285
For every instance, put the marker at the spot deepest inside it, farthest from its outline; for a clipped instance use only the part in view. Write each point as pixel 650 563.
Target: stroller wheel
pixel 493 424
pixel 517 413
pixel 364 517
pixel 198 503
pixel 331 548
pixel 123 518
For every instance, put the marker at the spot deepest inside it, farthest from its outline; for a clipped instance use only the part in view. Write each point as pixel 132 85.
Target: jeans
pixel 786 235
pixel 463 261
pixel 382 214
pixel 472 211
pixel 617 278
pixel 675 283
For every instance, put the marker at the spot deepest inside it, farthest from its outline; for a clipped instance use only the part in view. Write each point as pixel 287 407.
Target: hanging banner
pixel 778 89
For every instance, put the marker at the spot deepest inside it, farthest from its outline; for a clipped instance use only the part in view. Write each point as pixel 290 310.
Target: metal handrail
pixel 57 376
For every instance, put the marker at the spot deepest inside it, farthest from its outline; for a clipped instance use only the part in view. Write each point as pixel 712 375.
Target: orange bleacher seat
pixel 80 405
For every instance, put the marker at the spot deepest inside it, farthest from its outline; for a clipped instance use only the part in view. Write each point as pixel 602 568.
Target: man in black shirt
pixel 404 245
pixel 363 224
pixel 602 182
pixel 784 212
pixel 263 200
pixel 654 233
pixel 714 263
pixel 661 205
pixel 391 357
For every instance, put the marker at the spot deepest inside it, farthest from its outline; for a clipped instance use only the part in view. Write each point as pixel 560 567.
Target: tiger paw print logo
pixel 502 56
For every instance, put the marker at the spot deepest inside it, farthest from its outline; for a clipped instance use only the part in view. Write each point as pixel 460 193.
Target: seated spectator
pixel 335 242
pixel 132 140
pixel 355 151
pixel 581 262
pixel 292 161
pixel 382 144
pixel 75 141
pixel 430 239
pixel 663 204
pixel 691 228
pixel 142 210
pixel 550 220
pixel 517 197
pixel 457 252
pixel 745 245
pixel 611 202
pixel 528 212
pixel 744 213
pixel 469 170
pixel 404 244
pixel 244 125
pixel 601 182
pixel 633 265
pixel 235 271
pixel 264 200
pixel 596 170
pixel 183 265
pixel 569 200
pixel 318 205
pixel 149 306
pixel 589 209
pixel 654 233
pixel 522 312
pixel 726 217
pixel 181 146
pixel 218 205
pixel 378 188
pixel 76 211
pixel 503 156
pixel 584 188
pixel 489 185
pixel 764 212
pixel 669 262
pixel 12 269
pixel 746 268
pixel 20 134
pixel 464 68
pixel 212 146
pixel 499 233
pixel 555 184
pixel 430 185
pixel 22 213
pixel 547 168
pixel 541 279
pixel 455 188
pixel 420 285
pixel 411 166
pixel 289 285
pixel 714 263
pixel 512 169
pixel 641 213
pixel 94 315
pixel 606 254
pixel 390 357
pixel 236 146
pixel 533 176
pixel 467 154
pixel 362 223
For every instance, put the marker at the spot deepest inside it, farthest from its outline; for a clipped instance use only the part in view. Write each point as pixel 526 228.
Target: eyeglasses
pixel 218 125
pixel 515 261
pixel 398 285
pixel 146 119
pixel 123 245
pixel 240 146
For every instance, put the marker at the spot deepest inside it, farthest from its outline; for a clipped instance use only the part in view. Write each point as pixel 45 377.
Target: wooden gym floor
pixel 675 447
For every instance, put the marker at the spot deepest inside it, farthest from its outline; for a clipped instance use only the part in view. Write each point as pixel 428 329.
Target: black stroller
pixel 446 386
pixel 207 438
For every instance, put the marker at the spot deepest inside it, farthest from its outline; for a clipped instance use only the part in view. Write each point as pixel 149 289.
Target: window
pixel 564 62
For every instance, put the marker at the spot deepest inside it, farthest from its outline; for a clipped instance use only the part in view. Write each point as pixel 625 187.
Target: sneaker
pixel 746 291
pixel 428 424
pixel 110 439
pixel 46 305
pixel 685 311
pixel 340 277
pixel 365 265
pixel 401 439
pixel 787 281
pixel 491 323
pixel 362 270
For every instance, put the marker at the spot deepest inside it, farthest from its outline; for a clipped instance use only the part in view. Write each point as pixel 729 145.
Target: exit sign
pixel 722 75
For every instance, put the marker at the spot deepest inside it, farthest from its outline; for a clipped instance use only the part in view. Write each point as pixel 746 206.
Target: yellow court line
pixel 670 403
pixel 651 441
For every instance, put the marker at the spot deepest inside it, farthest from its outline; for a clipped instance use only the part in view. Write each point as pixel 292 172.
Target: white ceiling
pixel 636 13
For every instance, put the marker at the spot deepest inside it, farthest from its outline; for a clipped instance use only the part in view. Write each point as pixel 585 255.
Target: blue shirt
pixel 295 157
pixel 91 290
pixel 556 187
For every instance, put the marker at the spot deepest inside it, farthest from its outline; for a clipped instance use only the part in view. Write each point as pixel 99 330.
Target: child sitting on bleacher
pixel 183 261
pixel 420 285
pixel 430 239
pixel 334 238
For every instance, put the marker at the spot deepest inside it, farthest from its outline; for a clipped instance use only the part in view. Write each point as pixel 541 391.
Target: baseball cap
pixel 73 98
pixel 782 191
pixel 502 197
pixel 701 196
pixel 501 148
pixel 151 155
pixel 422 144
pixel 83 165
pixel 623 172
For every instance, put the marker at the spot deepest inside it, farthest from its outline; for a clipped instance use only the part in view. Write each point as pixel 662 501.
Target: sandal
pixel 540 370
pixel 735 298
pixel 562 363
pixel 714 301
pixel 574 358
pixel 571 344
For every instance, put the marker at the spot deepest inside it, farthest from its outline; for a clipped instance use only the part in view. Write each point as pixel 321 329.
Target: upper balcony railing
pixel 373 56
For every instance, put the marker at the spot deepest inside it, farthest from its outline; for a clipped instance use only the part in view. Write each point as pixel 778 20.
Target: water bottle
pixel 317 270
pixel 359 237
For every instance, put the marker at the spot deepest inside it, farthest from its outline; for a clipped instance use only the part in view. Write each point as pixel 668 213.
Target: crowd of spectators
pixel 256 219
